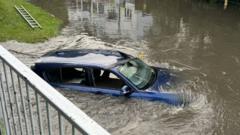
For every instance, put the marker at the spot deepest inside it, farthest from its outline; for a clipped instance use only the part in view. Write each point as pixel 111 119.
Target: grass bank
pixel 14 27
pixel 2 128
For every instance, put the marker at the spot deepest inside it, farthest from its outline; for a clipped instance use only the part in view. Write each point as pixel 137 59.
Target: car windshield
pixel 139 73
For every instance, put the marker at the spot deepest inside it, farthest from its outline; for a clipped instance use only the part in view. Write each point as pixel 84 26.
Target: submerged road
pixel 198 41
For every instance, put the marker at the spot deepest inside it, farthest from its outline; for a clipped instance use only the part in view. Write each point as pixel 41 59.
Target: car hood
pixel 163 77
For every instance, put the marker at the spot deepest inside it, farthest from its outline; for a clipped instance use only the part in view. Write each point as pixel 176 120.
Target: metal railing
pixel 30 106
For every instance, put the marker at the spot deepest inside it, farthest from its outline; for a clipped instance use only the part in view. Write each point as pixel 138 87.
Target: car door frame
pixel 108 91
pixel 137 93
pixel 68 86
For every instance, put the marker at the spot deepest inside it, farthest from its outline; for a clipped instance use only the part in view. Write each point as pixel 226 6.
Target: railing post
pixel 48 119
pixel 23 105
pixel 4 109
pixel 60 122
pixel 39 113
pixel 16 102
pixel 9 98
pixel 73 130
pixel 30 108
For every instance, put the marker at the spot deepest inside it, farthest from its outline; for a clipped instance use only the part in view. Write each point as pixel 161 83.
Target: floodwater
pixel 198 41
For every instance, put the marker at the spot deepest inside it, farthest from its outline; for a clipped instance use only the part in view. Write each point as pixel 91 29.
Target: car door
pixel 106 82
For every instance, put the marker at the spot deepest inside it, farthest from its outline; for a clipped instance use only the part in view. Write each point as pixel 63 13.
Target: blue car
pixel 105 72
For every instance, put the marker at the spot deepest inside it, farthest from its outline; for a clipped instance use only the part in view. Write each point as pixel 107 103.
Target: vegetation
pixel 2 128
pixel 14 27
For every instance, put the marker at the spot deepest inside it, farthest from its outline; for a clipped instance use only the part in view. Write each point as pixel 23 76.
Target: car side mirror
pixel 126 90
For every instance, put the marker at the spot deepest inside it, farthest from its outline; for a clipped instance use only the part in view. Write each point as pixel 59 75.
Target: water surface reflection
pixel 198 37
pixel 109 20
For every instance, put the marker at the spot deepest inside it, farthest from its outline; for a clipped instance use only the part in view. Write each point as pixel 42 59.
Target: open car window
pixel 67 76
pixel 106 79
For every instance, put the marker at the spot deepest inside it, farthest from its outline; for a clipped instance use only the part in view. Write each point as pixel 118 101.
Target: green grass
pixel 2 127
pixel 14 27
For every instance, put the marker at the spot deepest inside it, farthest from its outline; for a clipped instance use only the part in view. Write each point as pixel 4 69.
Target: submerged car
pixel 105 72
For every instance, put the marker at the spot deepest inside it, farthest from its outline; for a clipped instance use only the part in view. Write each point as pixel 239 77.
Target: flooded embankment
pixel 197 41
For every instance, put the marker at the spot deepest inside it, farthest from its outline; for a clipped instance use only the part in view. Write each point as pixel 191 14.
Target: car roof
pixel 84 57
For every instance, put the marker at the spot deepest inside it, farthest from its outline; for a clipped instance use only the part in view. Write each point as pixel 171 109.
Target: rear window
pixel 67 75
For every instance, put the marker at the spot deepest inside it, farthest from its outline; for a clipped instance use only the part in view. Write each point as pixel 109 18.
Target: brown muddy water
pixel 198 41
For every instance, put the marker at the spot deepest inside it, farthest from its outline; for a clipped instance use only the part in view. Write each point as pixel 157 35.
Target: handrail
pixel 63 106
